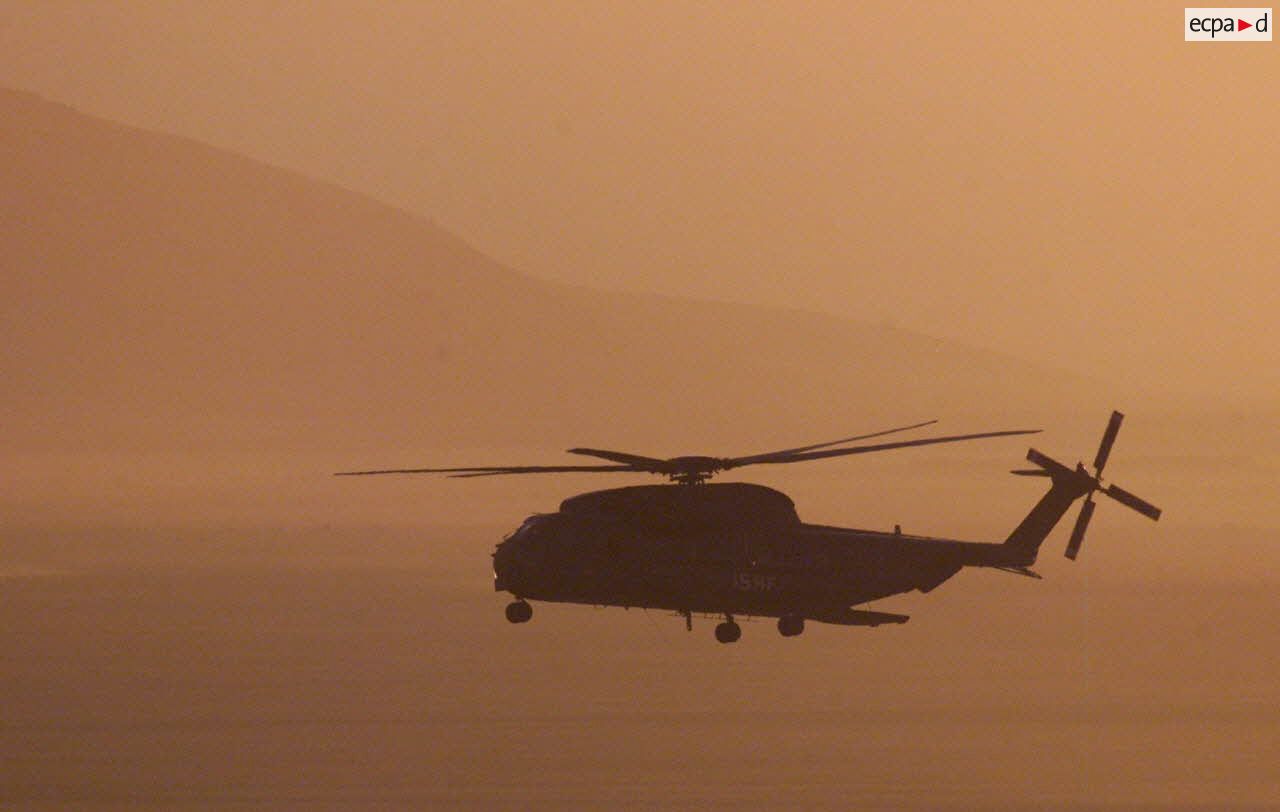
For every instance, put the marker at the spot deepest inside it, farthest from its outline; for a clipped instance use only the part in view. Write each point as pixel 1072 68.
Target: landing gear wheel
pixel 519 612
pixel 728 632
pixel 790 625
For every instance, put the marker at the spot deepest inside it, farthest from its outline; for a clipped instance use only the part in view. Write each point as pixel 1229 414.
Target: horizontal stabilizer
pixel 1027 571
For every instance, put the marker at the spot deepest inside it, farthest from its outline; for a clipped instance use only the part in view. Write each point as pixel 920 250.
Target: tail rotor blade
pixel 1082 524
pixel 1108 439
pixel 1050 466
pixel 1125 498
pixel 1043 460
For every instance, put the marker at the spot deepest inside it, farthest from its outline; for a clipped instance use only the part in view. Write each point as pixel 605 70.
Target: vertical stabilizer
pixel 1069 484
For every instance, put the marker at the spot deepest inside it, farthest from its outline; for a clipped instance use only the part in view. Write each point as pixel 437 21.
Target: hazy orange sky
pixel 1069 181
pixel 192 343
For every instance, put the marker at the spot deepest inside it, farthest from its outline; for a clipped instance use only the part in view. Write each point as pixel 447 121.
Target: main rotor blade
pixel 864 449
pixel 501 469
pixel 637 464
pixel 1082 524
pixel 756 458
pixel 617 456
pixel 552 469
pixel 1108 439
pixel 1125 498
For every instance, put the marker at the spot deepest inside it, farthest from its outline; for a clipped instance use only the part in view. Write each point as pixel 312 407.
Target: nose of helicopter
pixel 503 567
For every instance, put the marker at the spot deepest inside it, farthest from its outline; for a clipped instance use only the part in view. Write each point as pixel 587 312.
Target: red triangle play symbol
pixel 1243 25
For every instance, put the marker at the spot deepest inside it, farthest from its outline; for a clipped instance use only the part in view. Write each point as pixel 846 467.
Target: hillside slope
pixel 166 295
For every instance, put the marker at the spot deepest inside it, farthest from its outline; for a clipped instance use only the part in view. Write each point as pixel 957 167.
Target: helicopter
pixel 730 550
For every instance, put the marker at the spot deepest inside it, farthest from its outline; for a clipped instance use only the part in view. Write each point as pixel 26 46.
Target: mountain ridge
pixel 171 295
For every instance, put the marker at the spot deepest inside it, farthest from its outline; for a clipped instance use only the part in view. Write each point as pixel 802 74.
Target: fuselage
pixel 719 548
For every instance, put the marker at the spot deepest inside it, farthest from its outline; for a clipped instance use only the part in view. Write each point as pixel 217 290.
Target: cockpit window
pixel 524 530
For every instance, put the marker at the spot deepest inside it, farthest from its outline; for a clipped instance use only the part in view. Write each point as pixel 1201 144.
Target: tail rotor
pixel 1082 523
pixel 1089 484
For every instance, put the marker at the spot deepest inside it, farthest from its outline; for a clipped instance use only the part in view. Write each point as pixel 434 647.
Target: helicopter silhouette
pixel 740 550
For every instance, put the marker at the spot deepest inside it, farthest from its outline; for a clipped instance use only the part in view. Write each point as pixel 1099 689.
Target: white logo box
pixel 1227 24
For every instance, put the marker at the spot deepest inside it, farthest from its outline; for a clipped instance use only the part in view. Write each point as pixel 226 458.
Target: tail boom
pixel 1069 484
